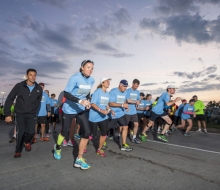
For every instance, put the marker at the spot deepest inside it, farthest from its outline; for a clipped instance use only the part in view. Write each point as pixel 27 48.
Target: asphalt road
pixel 183 163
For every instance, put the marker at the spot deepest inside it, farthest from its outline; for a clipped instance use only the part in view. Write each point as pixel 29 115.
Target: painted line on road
pixel 203 150
pixel 205 133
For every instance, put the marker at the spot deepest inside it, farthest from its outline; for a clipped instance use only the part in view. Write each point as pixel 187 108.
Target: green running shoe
pixel 162 137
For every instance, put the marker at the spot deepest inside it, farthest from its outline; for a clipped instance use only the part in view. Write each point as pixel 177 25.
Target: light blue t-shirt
pixel 118 97
pixel 161 103
pixel 133 95
pixel 42 110
pixel 79 86
pixel 55 102
pixel 141 105
pixel 31 87
pixel 179 111
pixel 187 108
pixel 101 99
pixel 148 103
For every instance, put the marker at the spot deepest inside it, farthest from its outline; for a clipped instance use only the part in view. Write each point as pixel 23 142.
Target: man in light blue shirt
pixel 133 100
pixel 158 111
pixel 42 114
pixel 118 104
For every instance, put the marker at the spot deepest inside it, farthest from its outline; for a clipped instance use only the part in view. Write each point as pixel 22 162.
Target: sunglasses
pixel 86 61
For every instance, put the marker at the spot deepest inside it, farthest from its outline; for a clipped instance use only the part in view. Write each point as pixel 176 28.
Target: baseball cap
pixel 142 94
pixel 41 84
pixel 171 86
pixel 104 79
pixel 124 82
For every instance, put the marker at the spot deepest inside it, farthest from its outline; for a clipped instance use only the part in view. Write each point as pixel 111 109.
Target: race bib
pixel 120 99
pixel 133 96
pixel 84 89
pixel 141 105
pixel 104 101
pixel 190 109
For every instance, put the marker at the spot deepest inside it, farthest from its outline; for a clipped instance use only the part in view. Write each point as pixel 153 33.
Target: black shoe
pixel 135 140
pixel 13 139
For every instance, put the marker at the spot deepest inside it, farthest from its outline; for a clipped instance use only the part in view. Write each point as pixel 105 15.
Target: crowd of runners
pixel 123 112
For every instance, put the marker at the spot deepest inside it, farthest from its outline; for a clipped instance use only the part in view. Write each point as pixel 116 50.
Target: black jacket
pixel 26 102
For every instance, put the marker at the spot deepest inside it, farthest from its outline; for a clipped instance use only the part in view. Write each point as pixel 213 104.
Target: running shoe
pixel 143 137
pixel 81 163
pixel 110 138
pixel 135 140
pixel 36 136
pixel 104 146
pixel 173 129
pixel 17 155
pixel 47 135
pixel 70 143
pixel 162 137
pixel 126 147
pixel 85 150
pixel 64 143
pixel 199 130
pixel 56 153
pixel 205 131
pixel 44 139
pixel 27 147
pixel 54 131
pixel 34 140
pixel 13 139
pixel 49 131
pixel 101 153
pixel 77 136
pixel 187 135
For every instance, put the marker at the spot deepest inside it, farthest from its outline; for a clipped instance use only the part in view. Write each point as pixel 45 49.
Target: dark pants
pixel 47 125
pixel 81 119
pixel 25 129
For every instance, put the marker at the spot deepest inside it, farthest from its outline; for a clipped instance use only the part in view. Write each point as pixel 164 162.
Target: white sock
pixel 134 136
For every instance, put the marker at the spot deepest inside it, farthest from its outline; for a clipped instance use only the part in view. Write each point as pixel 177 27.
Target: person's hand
pixel 48 114
pixel 85 103
pixel 113 113
pixel 105 112
pixel 125 105
pixel 88 106
pixel 177 99
pixel 137 103
pixel 194 115
pixel 8 119
pixel 147 108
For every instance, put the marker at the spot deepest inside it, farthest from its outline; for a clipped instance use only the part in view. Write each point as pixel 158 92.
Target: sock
pixel 14 136
pixel 134 136
pixel 60 139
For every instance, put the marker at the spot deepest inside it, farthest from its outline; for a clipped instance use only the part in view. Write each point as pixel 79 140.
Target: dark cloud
pixel 212 76
pixel 104 46
pixel 205 87
pixel 149 84
pixel 4 43
pixel 167 82
pixel 186 81
pixel 57 3
pixel 191 75
pixel 151 24
pixel 123 16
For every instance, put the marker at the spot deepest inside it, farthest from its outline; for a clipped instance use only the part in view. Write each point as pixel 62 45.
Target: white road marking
pixel 203 150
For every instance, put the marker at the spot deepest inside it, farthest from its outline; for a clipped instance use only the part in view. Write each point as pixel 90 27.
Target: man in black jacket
pixel 29 95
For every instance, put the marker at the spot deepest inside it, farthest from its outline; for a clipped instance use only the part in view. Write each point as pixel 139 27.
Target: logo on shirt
pixel 104 101
pixel 84 89
pixel 133 96
pixel 43 99
pixel 120 99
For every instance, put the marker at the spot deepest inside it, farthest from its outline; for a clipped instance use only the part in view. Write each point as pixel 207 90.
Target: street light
pixel 3 96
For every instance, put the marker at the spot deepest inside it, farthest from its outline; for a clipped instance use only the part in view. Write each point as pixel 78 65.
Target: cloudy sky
pixel 160 42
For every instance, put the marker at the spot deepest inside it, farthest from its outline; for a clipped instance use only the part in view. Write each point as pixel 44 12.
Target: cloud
pixel 104 46
pixel 123 16
pixel 151 24
pixel 191 75
pixel 205 87
pixel 167 82
pixel 149 84
pixel 57 3
pixel 120 55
